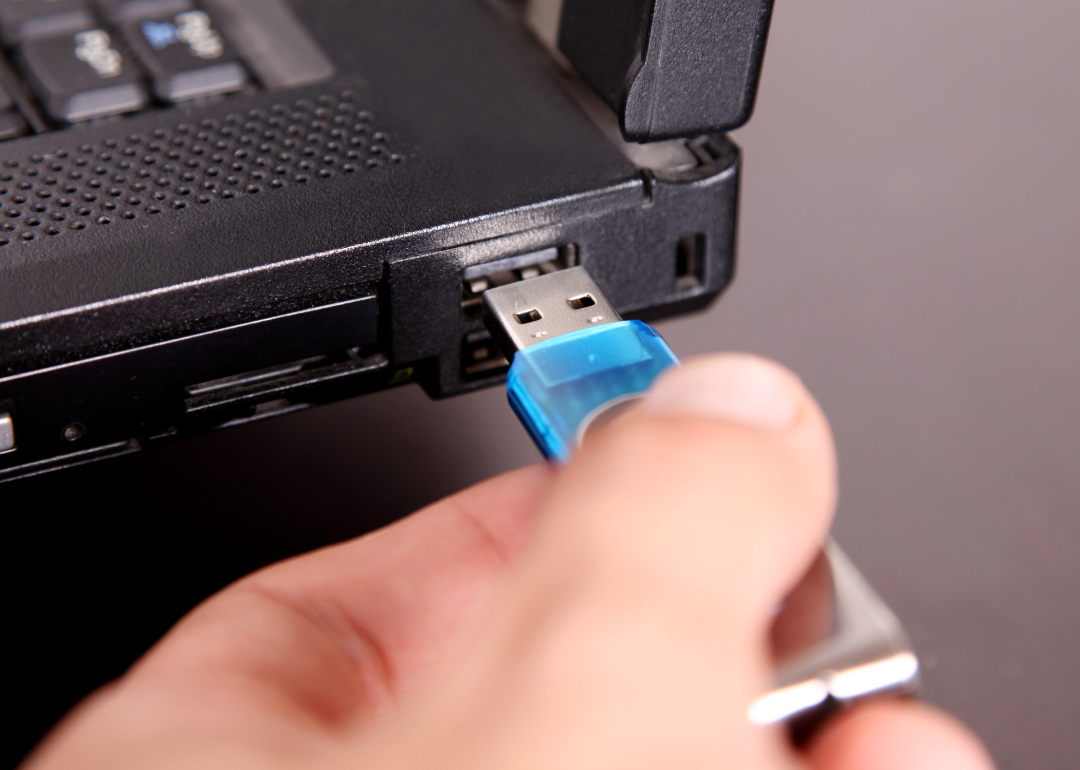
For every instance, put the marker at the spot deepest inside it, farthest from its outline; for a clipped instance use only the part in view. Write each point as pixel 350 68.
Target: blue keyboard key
pixel 186 55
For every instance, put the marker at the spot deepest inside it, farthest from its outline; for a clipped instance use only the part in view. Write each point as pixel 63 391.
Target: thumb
pixel 726 470
pixel 633 631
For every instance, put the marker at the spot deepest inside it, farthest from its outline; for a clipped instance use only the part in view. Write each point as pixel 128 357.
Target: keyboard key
pixel 186 56
pixel 129 10
pixel 272 41
pixel 11 123
pixel 82 76
pixel 23 19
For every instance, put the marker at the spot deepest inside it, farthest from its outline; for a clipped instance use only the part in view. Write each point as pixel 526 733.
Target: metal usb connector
pixel 571 354
pixel 535 310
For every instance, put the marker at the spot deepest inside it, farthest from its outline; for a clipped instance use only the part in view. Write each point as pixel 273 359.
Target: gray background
pixel 910 245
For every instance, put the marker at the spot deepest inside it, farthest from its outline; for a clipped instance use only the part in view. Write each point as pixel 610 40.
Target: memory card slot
pixel 254 390
pixel 256 377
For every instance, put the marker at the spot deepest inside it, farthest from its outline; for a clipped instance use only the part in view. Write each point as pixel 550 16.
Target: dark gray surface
pixel 910 246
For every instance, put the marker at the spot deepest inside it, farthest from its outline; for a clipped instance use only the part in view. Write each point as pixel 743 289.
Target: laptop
pixel 219 211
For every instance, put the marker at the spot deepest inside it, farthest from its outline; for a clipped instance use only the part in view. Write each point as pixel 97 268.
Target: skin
pixel 609 614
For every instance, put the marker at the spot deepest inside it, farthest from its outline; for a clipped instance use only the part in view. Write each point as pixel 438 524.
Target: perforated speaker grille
pixel 188 165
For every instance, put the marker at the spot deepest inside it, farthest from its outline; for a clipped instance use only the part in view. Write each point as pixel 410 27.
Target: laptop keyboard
pixel 70 61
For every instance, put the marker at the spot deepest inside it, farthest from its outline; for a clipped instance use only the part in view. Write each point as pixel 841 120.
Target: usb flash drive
pixel 572 359
pixel 572 355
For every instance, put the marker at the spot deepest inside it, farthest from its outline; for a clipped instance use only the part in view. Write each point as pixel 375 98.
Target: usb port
pixel 480 357
pixel 535 311
pixel 479 278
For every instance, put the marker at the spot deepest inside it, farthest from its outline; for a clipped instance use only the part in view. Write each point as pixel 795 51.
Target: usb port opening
pixel 480 357
pixel 479 278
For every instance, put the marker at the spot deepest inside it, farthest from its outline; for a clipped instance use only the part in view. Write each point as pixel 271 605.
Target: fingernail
pixel 741 388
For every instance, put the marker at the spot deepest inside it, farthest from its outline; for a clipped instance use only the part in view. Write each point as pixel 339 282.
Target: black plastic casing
pixel 473 150
pixel 669 68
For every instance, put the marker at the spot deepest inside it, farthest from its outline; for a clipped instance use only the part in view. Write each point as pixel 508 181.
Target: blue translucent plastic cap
pixel 554 386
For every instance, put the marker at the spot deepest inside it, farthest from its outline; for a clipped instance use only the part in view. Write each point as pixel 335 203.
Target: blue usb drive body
pixel 573 357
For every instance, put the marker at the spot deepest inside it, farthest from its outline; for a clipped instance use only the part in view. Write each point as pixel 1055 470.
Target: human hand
pixel 610 614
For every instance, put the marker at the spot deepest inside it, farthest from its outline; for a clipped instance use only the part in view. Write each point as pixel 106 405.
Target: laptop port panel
pixel 140 394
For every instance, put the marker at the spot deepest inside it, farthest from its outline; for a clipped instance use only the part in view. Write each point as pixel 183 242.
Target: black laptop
pixel 218 211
